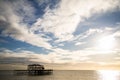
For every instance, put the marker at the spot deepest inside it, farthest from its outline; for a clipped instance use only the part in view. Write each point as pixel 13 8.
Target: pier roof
pixel 35 65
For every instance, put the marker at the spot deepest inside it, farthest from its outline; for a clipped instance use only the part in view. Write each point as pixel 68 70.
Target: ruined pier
pixel 34 69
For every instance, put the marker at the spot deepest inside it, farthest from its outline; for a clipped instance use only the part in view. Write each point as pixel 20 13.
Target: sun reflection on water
pixel 108 75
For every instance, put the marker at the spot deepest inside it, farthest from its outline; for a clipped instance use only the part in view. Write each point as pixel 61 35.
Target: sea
pixel 64 75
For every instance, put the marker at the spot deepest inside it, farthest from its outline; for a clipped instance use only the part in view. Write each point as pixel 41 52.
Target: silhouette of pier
pixel 34 69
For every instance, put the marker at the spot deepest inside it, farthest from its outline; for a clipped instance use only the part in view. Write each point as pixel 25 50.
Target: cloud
pixel 22 56
pixel 86 34
pixel 79 43
pixel 63 20
pixel 117 34
pixel 90 37
pixel 13 24
pixel 61 44
pixel 59 56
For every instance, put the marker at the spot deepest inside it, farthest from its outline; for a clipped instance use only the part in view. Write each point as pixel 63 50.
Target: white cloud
pixel 61 44
pixel 86 34
pixel 13 25
pixel 79 43
pixel 63 20
pixel 117 34
pixel 54 57
pixel 58 56
pixel 90 36
pixel 30 56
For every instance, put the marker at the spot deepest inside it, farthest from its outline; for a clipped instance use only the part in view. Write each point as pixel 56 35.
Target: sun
pixel 106 43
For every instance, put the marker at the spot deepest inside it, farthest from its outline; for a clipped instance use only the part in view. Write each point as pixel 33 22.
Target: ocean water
pixel 65 75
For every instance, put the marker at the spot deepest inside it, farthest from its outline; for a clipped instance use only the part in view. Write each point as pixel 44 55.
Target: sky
pixel 60 32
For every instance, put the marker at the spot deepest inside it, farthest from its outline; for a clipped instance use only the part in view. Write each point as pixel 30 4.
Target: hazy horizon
pixel 82 66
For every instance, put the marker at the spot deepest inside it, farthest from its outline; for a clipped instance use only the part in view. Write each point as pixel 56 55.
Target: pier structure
pixel 35 69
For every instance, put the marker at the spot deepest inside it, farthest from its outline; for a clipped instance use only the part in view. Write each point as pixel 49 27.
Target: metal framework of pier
pixel 35 69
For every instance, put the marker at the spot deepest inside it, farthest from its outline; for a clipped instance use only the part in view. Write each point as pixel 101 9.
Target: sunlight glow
pixel 108 75
pixel 106 43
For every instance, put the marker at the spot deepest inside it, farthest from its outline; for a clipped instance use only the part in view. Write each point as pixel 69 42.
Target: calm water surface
pixel 66 75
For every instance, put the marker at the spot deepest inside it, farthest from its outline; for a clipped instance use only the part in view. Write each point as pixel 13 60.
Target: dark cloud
pixel 10 60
